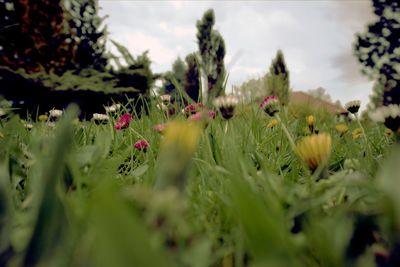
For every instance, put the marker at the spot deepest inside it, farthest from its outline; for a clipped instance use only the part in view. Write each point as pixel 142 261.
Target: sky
pixel 316 37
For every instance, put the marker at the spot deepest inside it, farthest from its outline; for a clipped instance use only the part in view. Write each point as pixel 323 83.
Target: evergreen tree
pixel 377 49
pixel 212 52
pixel 192 77
pixel 277 80
pixel 32 35
pixel 174 78
pixel 87 34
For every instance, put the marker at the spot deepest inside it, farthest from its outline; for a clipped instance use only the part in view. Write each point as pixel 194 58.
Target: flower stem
pixel 286 131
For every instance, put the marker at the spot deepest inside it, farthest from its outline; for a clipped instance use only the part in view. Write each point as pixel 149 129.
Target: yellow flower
pixel 43 117
pixel 310 121
pixel 341 128
pixel 182 137
pixel 388 132
pixel 177 149
pixel 357 133
pixel 315 150
pixel 272 123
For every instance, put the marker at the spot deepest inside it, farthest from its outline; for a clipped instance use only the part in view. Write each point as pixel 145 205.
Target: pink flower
pixel 193 108
pixel 200 116
pixel 211 114
pixel 270 105
pixel 123 121
pixel 142 144
pixel 160 128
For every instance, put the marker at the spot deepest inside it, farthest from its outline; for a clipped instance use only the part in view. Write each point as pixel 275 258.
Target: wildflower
pixel 341 128
pixel 28 126
pixel 357 133
pixel 226 105
pixel 160 128
pixel 176 151
pixel 272 123
pixel 388 132
pixel 353 106
pixel 123 121
pixel 100 118
pixel 141 145
pixel 311 122
pixel 51 124
pixel 43 117
pixel 389 115
pixel 315 150
pixel 55 113
pixel 201 116
pixel 351 164
pixel 166 99
pixel 114 108
pixel 193 108
pixel 270 105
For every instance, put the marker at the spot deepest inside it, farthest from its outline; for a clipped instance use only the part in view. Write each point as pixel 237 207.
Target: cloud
pixel 138 42
pixel 178 31
pixel 352 16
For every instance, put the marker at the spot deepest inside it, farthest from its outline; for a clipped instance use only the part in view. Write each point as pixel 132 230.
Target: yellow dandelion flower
pixel 341 128
pixel 310 121
pixel 43 117
pixel 357 133
pixel 181 136
pixel 315 150
pixel 177 149
pixel 388 132
pixel 272 123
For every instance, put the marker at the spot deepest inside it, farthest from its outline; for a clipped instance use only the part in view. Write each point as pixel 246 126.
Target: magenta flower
pixel 141 145
pixel 123 121
pixel 193 108
pixel 270 105
pixel 201 116
pixel 211 114
pixel 160 128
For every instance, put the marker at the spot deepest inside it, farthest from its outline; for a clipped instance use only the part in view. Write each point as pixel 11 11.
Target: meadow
pixel 162 189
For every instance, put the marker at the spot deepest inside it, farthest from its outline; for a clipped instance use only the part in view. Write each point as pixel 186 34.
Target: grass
pixel 81 195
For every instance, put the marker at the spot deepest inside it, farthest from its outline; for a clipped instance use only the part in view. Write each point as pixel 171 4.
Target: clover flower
pixel 226 105
pixel 315 150
pixel 389 115
pixel 141 145
pixel 272 123
pixel 123 121
pixel 353 106
pixel 270 105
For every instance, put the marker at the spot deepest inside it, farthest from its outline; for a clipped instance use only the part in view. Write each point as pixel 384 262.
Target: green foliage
pixel 212 51
pixel 174 78
pixel 277 80
pixel 80 194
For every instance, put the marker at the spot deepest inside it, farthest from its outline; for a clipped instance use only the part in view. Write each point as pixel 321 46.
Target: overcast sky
pixel 316 37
